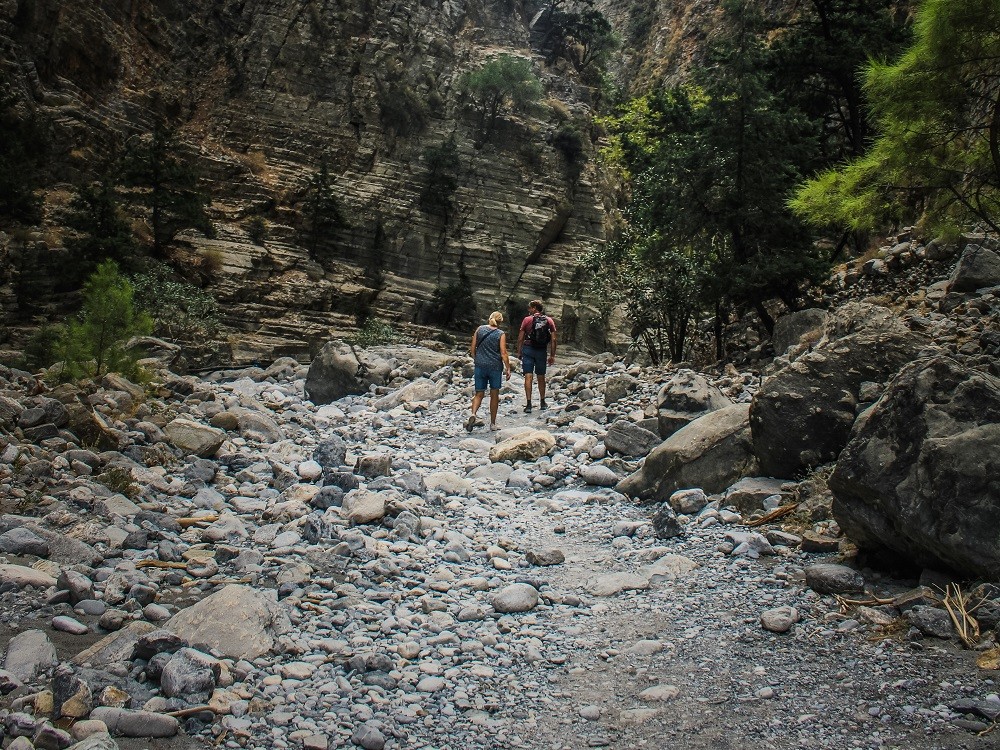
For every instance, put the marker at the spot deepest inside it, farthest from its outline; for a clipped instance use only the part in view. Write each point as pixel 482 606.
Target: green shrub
pixel 119 480
pixel 179 310
pixel 569 142
pixel 42 349
pixel 375 332
pixel 452 305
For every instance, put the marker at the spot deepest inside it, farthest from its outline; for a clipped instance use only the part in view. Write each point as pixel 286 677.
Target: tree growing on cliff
pixel 21 145
pixel 504 84
pixel 103 231
pixel 320 210
pixel 937 154
pixel 441 181
pixel 579 33
pixel 162 179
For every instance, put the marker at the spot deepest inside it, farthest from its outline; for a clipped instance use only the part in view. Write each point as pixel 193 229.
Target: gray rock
pixel 614 583
pixel 629 439
pixel 48 737
pixel 257 425
pixel 374 466
pixel 598 475
pixel 829 578
pixel 71 696
pixel 617 387
pixel 803 414
pixel 688 501
pixel 691 393
pixel 749 493
pixel 238 621
pixel 331 453
pixel 69 625
pixel 363 506
pixel 21 541
pixel 421 389
pixel 517 597
pixel 122 722
pixel 369 737
pixel 711 453
pixel 931 621
pixel 977 268
pixel 156 642
pixel 665 523
pixel 336 372
pixel 190 673
pixel 779 619
pixel 789 329
pixel 98 741
pixel 545 556
pixel 193 437
pixel 29 654
pixel 919 475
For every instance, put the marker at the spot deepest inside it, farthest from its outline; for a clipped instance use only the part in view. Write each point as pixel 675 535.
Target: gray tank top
pixel 488 348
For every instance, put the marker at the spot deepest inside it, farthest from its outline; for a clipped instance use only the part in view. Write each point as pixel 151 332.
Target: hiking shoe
pixel 527 408
pixel 470 423
pixel 543 405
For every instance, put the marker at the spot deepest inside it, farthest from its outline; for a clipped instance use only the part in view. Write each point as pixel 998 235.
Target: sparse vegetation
pixel 119 480
pixel 443 167
pixel 569 142
pixel 320 210
pixel 376 332
pixel 504 84
pixel 103 232
pixel 257 229
pixel 179 309
pixel 402 111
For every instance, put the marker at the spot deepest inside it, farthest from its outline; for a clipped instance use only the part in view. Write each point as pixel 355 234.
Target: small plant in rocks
pixel 376 332
pixel 119 480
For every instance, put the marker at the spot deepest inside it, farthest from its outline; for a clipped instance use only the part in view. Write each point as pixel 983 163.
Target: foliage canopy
pixel 937 109
pixel 502 85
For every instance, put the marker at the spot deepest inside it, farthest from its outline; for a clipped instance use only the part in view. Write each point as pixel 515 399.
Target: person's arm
pixel 520 339
pixel 552 353
pixel 503 354
pixel 472 346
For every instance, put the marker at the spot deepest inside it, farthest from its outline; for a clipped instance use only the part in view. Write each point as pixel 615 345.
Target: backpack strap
pixel 481 339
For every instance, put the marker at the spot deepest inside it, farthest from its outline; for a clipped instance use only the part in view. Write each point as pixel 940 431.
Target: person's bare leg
pixel 528 378
pixel 494 406
pixel 541 387
pixel 477 401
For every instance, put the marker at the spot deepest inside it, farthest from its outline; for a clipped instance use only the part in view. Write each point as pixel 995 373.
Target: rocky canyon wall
pixel 264 91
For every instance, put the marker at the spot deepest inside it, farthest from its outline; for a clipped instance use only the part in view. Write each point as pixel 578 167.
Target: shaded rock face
pixel 803 414
pixel 335 373
pixel 685 397
pixel 789 329
pixel 263 91
pixel 921 474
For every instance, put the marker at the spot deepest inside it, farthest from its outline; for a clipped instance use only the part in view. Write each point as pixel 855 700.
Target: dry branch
pixel 775 514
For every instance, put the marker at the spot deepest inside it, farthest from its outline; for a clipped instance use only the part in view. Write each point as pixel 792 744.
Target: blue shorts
pixel 534 360
pixel 482 376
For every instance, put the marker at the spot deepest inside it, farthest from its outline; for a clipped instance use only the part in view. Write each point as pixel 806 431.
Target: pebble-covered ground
pixel 454 602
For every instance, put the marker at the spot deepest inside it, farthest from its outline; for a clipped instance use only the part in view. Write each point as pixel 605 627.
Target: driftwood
pixel 160 564
pixel 190 711
pixel 960 608
pixel 186 522
pixel 774 515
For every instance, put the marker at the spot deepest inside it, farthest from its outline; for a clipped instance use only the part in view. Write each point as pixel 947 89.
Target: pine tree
pixel 937 154
pixel 97 343
pixel 504 84
pixel 167 185
pixel 321 210
pixel 104 233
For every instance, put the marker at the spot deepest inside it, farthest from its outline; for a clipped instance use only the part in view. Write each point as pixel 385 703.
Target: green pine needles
pixel 97 342
pixel 936 157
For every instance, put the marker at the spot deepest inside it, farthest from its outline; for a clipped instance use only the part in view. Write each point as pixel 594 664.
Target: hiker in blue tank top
pixel 489 351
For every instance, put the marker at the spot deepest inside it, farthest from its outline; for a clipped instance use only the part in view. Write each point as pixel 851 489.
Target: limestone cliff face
pixel 264 90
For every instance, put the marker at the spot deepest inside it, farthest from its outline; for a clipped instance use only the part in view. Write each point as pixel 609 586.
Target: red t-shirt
pixel 527 323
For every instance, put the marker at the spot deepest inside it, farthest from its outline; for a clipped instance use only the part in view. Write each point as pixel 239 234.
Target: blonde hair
pixel 496 318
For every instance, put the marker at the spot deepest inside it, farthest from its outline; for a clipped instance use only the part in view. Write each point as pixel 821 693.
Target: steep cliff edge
pixel 265 90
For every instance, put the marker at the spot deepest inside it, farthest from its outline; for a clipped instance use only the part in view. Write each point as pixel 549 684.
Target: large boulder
pixel 921 473
pixel 802 415
pixel 29 654
pixel 629 439
pixel 685 397
pixel 337 372
pixel 194 437
pixel 238 621
pixel 789 329
pixel 527 446
pixel 421 389
pixel 977 268
pixel 711 453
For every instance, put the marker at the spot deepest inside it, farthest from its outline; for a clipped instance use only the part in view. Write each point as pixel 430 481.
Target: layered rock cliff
pixel 264 91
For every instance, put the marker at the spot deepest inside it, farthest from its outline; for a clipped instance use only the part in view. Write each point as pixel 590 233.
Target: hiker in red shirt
pixel 536 337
